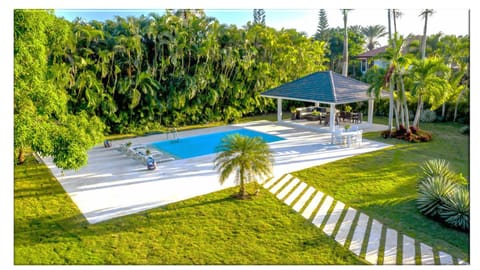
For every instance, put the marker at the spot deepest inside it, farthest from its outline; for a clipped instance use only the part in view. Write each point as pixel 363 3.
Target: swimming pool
pixel 200 145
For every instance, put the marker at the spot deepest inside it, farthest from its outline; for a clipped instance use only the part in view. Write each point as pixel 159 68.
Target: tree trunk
pixel 21 156
pixel 391 97
pixel 243 192
pixel 416 120
pixel 456 105
pixel 424 38
pixel 345 45
pixel 403 95
pixel 443 111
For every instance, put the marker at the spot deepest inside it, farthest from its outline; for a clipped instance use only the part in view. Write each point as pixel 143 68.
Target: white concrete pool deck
pixel 114 185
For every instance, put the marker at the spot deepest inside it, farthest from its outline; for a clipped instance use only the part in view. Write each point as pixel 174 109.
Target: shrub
pixel 437 167
pixel 465 130
pixel 428 116
pixel 455 209
pixel 432 191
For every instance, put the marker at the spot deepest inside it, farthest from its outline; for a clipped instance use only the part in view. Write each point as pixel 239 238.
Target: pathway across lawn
pixel 363 235
pixel 114 185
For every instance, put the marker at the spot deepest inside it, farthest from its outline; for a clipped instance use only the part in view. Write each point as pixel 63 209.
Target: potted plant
pixel 293 110
pixel 347 127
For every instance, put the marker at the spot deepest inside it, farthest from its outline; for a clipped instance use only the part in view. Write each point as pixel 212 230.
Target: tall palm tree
pixel 391 96
pixel 425 15
pixel 345 42
pixel 396 14
pixel 246 157
pixel 372 33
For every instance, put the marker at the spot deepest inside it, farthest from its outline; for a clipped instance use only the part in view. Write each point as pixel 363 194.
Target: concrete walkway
pixel 113 184
pixel 364 236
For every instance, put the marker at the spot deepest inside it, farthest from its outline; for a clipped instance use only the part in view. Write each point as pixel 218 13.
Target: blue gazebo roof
pixel 323 87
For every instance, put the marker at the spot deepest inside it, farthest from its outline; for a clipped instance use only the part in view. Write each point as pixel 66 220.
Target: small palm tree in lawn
pixel 248 158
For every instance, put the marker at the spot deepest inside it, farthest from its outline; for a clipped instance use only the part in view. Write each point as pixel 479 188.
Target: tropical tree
pixel 429 81
pixel 345 42
pixel 373 33
pixel 396 14
pixel 391 96
pixel 247 158
pixel 259 16
pixel 42 120
pixel 322 33
pixel 394 78
pixel 356 41
pixel 424 15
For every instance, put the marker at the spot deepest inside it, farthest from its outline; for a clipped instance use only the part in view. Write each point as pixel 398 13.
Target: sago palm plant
pixel 455 209
pixel 437 167
pixel 246 157
pixel 432 191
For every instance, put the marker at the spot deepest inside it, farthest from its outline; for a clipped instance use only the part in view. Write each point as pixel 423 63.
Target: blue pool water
pixel 200 145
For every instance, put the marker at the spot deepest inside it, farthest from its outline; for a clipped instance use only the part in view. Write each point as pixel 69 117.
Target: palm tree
pixel 372 33
pixel 246 157
pixel 391 96
pixel 428 82
pixel 345 42
pixel 396 14
pixel 425 15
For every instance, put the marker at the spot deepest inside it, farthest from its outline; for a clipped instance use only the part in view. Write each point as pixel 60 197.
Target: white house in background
pixel 367 59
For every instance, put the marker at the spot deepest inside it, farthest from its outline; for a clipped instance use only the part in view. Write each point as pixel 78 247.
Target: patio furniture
pixel 347 138
pixel 356 117
pixel 327 119
pixel 313 117
pixel 302 113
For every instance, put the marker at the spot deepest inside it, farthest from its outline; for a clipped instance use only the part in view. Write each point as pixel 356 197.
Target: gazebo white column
pixel 370 111
pixel 279 109
pixel 332 117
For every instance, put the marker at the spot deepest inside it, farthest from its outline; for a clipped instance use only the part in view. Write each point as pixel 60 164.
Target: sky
pixel 448 21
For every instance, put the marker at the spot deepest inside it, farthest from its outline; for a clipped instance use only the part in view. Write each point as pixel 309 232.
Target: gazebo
pixel 326 87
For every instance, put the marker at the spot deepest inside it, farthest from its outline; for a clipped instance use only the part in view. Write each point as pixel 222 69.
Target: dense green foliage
pixel 42 121
pixel 181 68
pixel 247 158
pixel 383 184
pixel 441 80
pixel 356 41
pixel 212 229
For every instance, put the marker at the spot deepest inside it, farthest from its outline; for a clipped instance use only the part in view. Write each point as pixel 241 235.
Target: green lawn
pixel 215 229
pixel 382 183
pixel 211 229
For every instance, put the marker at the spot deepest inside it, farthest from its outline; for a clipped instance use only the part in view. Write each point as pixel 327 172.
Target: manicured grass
pixel 211 229
pixel 383 183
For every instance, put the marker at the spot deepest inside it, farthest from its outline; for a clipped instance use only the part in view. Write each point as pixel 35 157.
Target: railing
pixel 172 132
